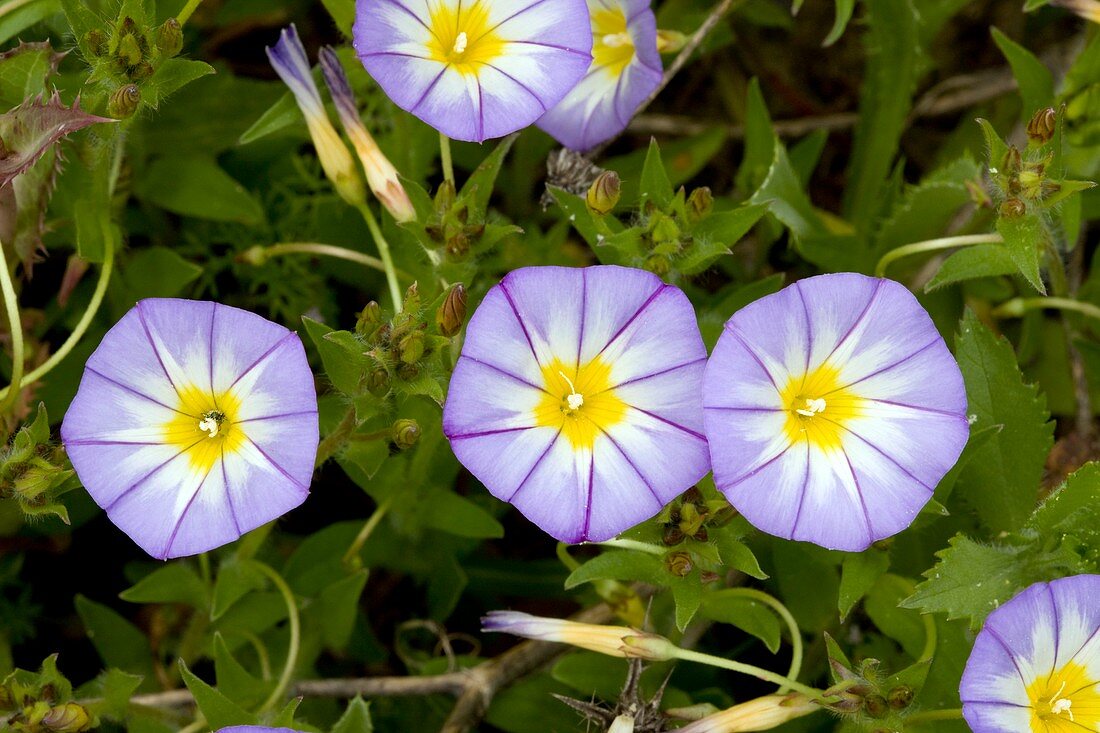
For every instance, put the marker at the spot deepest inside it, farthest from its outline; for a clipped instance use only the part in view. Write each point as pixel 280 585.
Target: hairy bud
pixel 170 38
pixel 452 313
pixel 604 194
pixel 124 102
pixel 1013 209
pixel 679 564
pixel 67 718
pixel 405 433
pixel 1043 124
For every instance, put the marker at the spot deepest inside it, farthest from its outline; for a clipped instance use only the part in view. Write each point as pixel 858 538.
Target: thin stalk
pixel 195 727
pixel 753 671
pixel 445 159
pixel 260 254
pixel 81 327
pixel 336 439
pixel 634 545
pixel 13 5
pixel 18 353
pixel 368 529
pixel 792 627
pixel 261 653
pixel 294 646
pixel 188 9
pixel 1018 306
pixel 933 245
pixel 384 252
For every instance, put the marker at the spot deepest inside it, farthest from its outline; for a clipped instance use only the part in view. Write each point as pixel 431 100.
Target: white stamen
pixel 813 407
pixel 461 42
pixel 1059 705
pixel 573 400
pixel 616 40
pixel 209 425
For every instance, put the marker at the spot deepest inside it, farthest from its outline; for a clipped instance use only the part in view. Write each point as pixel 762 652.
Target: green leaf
pixel 969 263
pixel 218 709
pixel 925 211
pixel 715 235
pixel 158 272
pixel 21 17
pixel 337 607
pixel 93 229
pixel 172 583
pixel 902 624
pixel 343 14
pixel 1002 479
pixel 236 579
pixel 1034 79
pixel 620 565
pixel 171 76
pixel 786 198
pixel 1024 238
pixel 236 682
pixel 1073 509
pixel 737 555
pixel 356 719
pixel 655 184
pixel 687 593
pixel 893 66
pixel 459 516
pixel 844 9
pixel 115 688
pixel 197 186
pixel 119 643
pixel 760 140
pixel 340 370
pixel 481 183
pixel 747 614
pixel 858 574
pixel 278 116
pixel 799 566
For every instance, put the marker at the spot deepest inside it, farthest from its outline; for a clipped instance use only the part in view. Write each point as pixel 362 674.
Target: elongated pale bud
pixel 1087 9
pixel 381 175
pixel 289 60
pixel 614 641
pixel 670 41
pixel 763 713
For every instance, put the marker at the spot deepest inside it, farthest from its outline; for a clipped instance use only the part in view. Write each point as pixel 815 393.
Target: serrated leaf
pixel 32 128
pixel 747 614
pixel 969 263
pixel 219 710
pixel 356 719
pixel 1035 81
pixel 858 574
pixel 620 565
pixel 172 583
pixel 1002 479
pixel 655 184
pixel 1074 508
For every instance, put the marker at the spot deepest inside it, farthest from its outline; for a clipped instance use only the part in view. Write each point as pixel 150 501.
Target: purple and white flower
pixel 626 69
pixel 577 398
pixel 1035 665
pixel 194 423
pixel 475 69
pixel 833 408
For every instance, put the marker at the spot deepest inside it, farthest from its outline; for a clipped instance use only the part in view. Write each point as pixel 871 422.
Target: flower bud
pixel 143 70
pixel 700 203
pixel 650 647
pixel 1012 162
pixel 679 564
pixel 722 517
pixel 665 230
pixel 445 197
pixel 129 50
pixel 412 347
pixel 412 299
pixel 659 265
pixel 378 382
pixel 763 713
pixel 67 718
pixel 405 433
pixel 96 41
pixel 369 320
pixel 604 194
pixel 124 102
pixel 452 313
pixel 408 372
pixel 875 706
pixel 670 41
pixel 673 535
pixel 1042 126
pixel 1013 209
pixel 170 38
pixel 458 246
pixel 900 697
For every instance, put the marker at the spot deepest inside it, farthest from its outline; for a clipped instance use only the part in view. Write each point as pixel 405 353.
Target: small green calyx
pixel 406 433
pixel 170 38
pixel 124 102
pixel 451 315
pixel 604 194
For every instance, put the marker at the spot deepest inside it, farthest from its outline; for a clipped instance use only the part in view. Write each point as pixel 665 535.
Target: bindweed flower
pixel 763 713
pixel 193 424
pixel 477 69
pixel 1035 665
pixel 290 62
pixel 381 175
pixel 614 641
pixel 833 408
pixel 577 398
pixel 626 69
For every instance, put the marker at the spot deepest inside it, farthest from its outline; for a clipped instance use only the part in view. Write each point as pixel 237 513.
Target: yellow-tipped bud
pixel 763 713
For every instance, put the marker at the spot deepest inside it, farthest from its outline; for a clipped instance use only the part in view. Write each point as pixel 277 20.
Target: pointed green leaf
pixel 337 607
pixel 119 643
pixel 218 709
pixel 172 583
pixel 1034 79
pixel 858 574
pixel 747 614
pixel 234 680
pixel 969 263
pixel 356 719
pixel 620 565
pixel 655 184
pixel 459 516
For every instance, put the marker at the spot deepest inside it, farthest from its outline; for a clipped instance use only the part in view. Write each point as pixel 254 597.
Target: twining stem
pixel 368 529
pixel 445 159
pixel 1018 306
pixel 13 5
pixel 934 715
pixel 261 653
pixel 761 674
pixel 336 439
pixel 295 637
pixel 198 725
pixel 259 254
pixel 933 245
pixel 633 545
pixel 792 626
pixel 18 354
pixel 188 9
pixel 384 251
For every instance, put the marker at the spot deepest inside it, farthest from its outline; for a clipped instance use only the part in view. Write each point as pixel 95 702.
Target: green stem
pixel 792 627
pixel 81 326
pixel 188 9
pixel 1018 306
pixel 368 529
pixel 261 653
pixel 259 254
pixel 18 354
pixel 753 671
pixel 204 568
pixel 196 727
pixel 566 559
pixel 12 6
pixel 384 252
pixel 934 715
pixel 295 637
pixel 933 245
pixel 445 159
pixel 634 545
pixel 336 439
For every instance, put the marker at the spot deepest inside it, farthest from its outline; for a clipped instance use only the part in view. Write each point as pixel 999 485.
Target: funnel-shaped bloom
pixel 1035 665
pixel 577 398
pixel 290 62
pixel 381 175
pixel 614 641
pixel 474 69
pixel 194 423
pixel 833 408
pixel 626 69
pixel 763 713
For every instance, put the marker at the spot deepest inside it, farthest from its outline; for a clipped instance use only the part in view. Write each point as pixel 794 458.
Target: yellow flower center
pixel 204 427
pixel 613 47
pixel 579 401
pixel 1066 701
pixel 818 405
pixel 464 37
